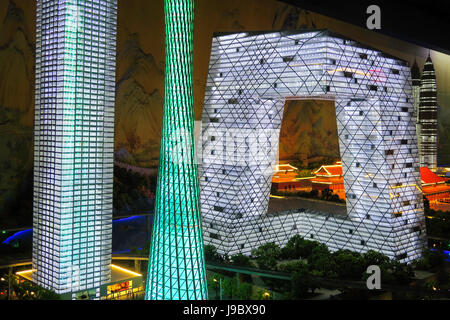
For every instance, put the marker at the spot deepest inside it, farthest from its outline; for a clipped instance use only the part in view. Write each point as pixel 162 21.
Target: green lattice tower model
pixel 176 263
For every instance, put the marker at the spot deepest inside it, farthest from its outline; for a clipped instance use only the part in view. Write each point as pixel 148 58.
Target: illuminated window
pixel 214 236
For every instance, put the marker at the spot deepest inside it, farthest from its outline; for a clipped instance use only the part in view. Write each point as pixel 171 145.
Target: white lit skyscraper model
pixel 73 144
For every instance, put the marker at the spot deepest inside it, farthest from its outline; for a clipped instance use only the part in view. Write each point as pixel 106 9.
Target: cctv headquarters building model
pixel 251 75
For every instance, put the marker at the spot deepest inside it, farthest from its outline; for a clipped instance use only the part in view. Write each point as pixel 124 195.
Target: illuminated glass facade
pixel 73 144
pixel 251 75
pixel 176 263
pixel 415 77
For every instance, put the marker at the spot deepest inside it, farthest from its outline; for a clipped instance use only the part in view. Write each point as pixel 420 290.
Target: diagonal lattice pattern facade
pixel 73 144
pixel 176 263
pixel 250 77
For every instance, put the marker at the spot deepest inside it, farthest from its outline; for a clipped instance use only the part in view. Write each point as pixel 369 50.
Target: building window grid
pixel 88 121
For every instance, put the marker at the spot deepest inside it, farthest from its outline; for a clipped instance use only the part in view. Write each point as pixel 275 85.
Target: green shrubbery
pixel 267 256
pixel 431 260
pixel 211 254
pixel 27 290
pixel 308 261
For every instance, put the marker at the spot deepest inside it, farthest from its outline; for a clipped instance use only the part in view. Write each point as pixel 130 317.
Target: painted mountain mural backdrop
pixel 140 80
pixel 309 131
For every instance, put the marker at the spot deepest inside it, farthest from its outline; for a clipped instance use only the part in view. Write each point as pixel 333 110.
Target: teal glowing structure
pixel 176 262
pixel 73 145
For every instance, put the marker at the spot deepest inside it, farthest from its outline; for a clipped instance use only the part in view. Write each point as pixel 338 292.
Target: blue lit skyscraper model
pixel 251 75
pixel 176 263
pixel 73 144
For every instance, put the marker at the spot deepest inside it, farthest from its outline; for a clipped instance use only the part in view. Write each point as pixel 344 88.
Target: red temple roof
pixel 285 167
pixel 330 170
pixel 429 177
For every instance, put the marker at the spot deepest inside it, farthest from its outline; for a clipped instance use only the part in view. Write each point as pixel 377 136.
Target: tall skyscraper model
pixel 428 117
pixel 73 144
pixel 176 264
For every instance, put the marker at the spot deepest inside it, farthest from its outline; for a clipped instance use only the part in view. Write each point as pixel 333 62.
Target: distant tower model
pixel 73 144
pixel 415 77
pixel 427 117
pixel 176 264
